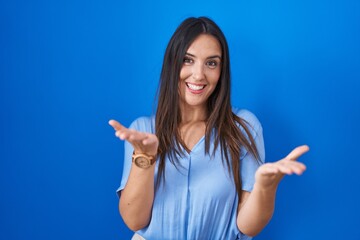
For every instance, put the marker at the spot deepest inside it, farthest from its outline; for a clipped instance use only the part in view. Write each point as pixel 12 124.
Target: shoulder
pixel 250 119
pixel 144 124
pixel 252 123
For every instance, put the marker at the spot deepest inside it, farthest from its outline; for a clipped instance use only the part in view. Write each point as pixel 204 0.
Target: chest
pixel 203 176
pixel 192 133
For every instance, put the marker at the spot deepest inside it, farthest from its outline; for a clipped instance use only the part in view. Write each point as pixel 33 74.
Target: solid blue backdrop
pixel 67 67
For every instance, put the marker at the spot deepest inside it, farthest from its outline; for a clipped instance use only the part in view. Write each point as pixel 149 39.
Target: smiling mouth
pixel 195 87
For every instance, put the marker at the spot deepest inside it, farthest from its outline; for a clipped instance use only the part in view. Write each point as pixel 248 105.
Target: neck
pixel 193 114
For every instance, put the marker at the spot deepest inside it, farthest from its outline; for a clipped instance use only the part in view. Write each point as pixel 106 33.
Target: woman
pixel 197 167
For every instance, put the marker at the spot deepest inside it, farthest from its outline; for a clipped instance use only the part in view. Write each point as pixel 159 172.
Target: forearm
pixel 137 197
pixel 257 211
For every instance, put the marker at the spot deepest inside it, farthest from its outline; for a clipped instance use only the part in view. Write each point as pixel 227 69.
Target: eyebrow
pixel 214 56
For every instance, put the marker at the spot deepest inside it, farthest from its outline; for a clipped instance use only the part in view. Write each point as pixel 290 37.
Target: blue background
pixel 67 67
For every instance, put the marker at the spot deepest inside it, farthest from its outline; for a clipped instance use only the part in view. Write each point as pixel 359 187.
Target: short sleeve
pixel 142 124
pixel 249 164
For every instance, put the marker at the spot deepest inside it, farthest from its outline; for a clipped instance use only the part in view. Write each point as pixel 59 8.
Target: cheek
pixel 184 73
pixel 181 83
pixel 214 77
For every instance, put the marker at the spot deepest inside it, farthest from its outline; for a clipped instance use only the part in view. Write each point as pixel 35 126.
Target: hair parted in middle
pixel 220 117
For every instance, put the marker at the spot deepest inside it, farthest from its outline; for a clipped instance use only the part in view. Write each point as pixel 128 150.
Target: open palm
pixel 270 174
pixel 142 142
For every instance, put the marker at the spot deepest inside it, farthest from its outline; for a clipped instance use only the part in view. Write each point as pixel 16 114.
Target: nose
pixel 198 72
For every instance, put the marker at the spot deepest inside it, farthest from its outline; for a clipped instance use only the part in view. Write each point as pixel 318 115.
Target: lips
pixel 195 88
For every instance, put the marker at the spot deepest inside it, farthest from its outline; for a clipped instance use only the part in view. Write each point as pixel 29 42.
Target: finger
pixel 290 167
pixel 297 152
pixel 284 169
pixel 299 168
pixel 135 137
pixel 116 125
pixel 269 169
pixel 127 134
pixel 121 134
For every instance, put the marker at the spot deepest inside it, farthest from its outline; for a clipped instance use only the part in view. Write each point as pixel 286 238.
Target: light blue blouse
pixel 199 199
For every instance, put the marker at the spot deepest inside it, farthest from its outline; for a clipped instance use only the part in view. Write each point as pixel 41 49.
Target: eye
pixel 212 64
pixel 188 60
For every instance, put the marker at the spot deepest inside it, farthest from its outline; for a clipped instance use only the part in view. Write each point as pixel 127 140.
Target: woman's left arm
pixel 256 208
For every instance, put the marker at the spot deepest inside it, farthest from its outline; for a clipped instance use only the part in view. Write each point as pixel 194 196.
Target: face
pixel 200 72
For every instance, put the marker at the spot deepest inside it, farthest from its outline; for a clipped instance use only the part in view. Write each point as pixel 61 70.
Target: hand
pixel 142 142
pixel 269 175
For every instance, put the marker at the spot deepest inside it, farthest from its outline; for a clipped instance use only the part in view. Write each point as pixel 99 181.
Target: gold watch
pixel 143 160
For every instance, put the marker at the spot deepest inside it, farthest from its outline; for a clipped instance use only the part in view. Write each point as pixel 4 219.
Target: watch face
pixel 142 162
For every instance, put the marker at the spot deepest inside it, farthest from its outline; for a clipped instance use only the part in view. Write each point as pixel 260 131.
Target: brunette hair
pixel 221 118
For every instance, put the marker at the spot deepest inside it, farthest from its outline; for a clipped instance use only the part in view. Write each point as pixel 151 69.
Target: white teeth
pixel 195 87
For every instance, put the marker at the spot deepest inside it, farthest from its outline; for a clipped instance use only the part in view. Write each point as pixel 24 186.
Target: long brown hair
pixel 221 118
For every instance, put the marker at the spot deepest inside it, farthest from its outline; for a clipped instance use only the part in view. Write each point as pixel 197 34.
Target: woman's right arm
pixel 137 197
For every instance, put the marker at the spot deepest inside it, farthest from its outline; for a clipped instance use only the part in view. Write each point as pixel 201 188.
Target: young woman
pixel 195 170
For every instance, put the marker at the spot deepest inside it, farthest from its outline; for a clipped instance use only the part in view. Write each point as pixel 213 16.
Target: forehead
pixel 204 45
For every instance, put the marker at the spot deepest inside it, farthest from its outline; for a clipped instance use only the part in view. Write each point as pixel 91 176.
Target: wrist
pixel 143 160
pixel 265 188
pixel 148 153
